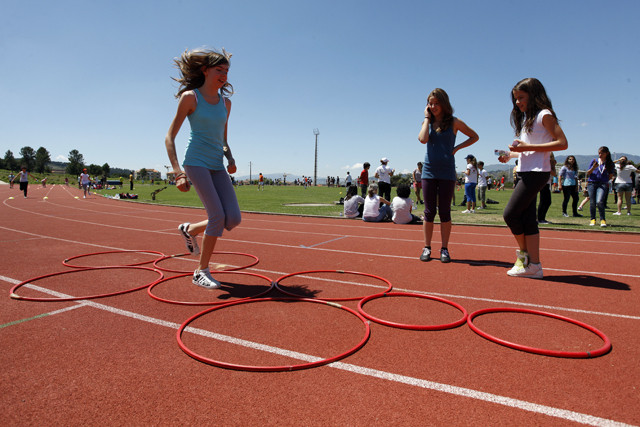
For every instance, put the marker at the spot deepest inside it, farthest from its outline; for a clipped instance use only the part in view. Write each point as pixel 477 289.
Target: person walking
pixel 568 185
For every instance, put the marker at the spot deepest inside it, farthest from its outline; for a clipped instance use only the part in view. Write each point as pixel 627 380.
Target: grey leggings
pixel 218 196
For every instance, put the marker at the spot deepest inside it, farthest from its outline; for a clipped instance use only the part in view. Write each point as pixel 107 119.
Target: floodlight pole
pixel 316 132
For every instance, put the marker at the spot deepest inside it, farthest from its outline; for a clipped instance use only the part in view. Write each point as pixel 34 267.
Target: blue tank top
pixel 439 162
pixel 206 143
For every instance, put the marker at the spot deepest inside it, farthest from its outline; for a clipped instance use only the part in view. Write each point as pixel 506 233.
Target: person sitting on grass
pixel 353 204
pixel 402 205
pixel 376 208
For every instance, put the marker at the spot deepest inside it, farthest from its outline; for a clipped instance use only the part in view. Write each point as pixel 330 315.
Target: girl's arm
pixel 231 168
pixel 423 136
pixel 186 106
pixel 558 143
pixel 385 201
pixel 459 125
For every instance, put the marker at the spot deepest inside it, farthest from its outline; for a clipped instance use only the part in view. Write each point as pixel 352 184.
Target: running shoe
pixel 617 213
pixel 190 242
pixel 522 261
pixel 203 278
pixel 603 223
pixel 532 271
pixel 466 211
pixel 444 255
pixel 592 222
pixel 544 221
pixel 577 215
pixel 564 214
pixel 426 254
pixel 580 208
pixel 629 213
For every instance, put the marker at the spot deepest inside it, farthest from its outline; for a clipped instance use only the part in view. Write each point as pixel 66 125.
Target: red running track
pixel 116 361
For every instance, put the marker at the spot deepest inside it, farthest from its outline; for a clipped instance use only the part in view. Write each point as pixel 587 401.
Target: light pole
pixel 316 132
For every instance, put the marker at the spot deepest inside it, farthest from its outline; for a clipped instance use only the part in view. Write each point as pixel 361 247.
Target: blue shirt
pixel 206 143
pixel 600 173
pixel 439 162
pixel 568 176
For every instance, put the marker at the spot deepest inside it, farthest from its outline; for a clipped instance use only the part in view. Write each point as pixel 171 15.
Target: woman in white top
pixel 537 134
pixel 353 204
pixel 376 208
pixel 624 183
pixel 402 205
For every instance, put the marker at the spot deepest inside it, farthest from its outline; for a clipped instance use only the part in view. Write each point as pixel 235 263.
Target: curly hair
pixel 538 101
pixel 190 65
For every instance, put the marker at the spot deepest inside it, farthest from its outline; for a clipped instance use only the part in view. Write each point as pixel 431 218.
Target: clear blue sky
pixel 95 76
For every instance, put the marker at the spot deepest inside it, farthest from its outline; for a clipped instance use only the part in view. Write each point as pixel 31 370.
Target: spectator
pixel 599 174
pixel 363 180
pixel 624 183
pixel 384 174
pixel 402 205
pixel 376 208
pixel 482 185
pixel 568 184
pixel 353 204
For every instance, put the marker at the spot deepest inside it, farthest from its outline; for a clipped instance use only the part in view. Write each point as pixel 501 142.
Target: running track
pixel 116 361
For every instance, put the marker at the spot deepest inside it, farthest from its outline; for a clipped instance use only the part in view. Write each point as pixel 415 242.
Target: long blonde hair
pixel 190 65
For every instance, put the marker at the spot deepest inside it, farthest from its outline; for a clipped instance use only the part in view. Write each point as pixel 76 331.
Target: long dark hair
pixel 190 65
pixel 447 109
pixel 538 101
pixel 608 161
pixel 573 167
pixel 351 191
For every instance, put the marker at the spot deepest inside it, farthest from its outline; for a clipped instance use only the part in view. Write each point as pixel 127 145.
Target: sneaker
pixel 617 213
pixel 592 222
pixel 577 215
pixel 564 214
pixel 472 211
pixel 532 271
pixel 629 213
pixel 426 254
pixel 521 262
pixel 580 208
pixel 466 211
pixel 544 221
pixel 203 278
pixel 444 255
pixel 190 242
pixel 603 223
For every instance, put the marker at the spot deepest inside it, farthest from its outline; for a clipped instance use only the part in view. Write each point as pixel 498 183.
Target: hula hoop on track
pixel 66 261
pixel 13 295
pixel 277 282
pixel 413 327
pixel 166 257
pixel 273 368
pixel 152 295
pixel 568 354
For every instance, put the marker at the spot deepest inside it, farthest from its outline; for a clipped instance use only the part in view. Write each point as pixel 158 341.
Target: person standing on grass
pixel 203 99
pixel 23 176
pixel 384 174
pixel 482 185
pixel 568 184
pixel 363 180
pixel 599 174
pixel 438 132
pixel 537 134
pixel 470 184
pixel 416 177
pixel 624 183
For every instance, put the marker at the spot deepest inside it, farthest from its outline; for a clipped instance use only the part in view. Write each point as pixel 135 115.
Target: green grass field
pixel 288 200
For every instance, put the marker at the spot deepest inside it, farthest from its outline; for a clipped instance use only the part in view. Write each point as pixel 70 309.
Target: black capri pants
pixel 520 213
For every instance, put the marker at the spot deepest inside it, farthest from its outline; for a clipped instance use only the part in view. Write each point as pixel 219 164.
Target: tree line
pixel 38 161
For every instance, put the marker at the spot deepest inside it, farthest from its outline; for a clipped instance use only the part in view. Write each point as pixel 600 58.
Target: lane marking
pixel 524 405
pixel 322 243
pixel 40 316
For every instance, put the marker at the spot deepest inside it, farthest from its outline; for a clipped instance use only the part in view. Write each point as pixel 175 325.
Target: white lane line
pixel 388 376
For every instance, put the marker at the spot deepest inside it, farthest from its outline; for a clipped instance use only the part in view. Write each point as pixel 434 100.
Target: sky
pixel 96 76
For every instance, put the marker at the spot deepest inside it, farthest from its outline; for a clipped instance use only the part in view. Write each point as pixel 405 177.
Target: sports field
pixel 321 321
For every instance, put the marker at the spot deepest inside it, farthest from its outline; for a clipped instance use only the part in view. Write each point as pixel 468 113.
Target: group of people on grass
pixel 204 100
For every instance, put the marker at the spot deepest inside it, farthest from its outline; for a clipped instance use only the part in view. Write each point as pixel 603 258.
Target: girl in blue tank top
pixel 438 132
pixel 203 86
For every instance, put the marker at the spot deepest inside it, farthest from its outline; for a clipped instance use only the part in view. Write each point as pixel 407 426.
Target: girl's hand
pixel 231 168
pixel 427 113
pixel 518 146
pixel 182 183
pixel 504 159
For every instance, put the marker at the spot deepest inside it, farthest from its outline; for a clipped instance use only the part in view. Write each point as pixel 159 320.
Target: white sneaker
pixel 190 242
pixel 203 278
pixel 521 262
pixel 532 271
pixel 617 213
pixel 466 211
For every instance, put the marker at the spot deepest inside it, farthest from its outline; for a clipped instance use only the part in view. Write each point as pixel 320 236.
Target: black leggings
pixel 570 191
pixel 520 212
pixel 545 202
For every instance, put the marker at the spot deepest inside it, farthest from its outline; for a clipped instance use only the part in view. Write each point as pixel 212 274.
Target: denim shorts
pixel 623 188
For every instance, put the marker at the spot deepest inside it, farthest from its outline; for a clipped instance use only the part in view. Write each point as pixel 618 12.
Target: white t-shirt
pixel 624 175
pixel 84 179
pixel 351 206
pixel 371 207
pixel 401 210
pixel 472 178
pixel 482 178
pixel 535 161
pixel 384 173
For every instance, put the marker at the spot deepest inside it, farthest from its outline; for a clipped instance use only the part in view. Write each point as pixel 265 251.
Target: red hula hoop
pixel 165 257
pixel 66 261
pixel 329 271
pixel 413 327
pixel 569 354
pixel 273 368
pixel 152 295
pixel 13 295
